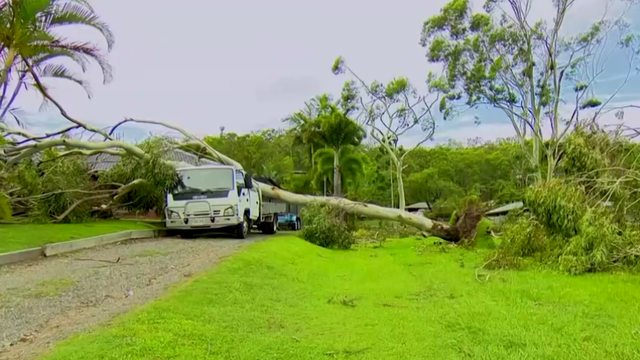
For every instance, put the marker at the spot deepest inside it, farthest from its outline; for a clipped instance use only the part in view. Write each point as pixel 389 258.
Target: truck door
pixel 254 199
pixel 243 194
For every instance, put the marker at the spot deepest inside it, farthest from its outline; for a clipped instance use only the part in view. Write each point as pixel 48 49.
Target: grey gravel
pixel 47 300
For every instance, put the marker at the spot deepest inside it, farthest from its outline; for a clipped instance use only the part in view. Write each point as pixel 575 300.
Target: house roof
pixel 506 208
pixel 101 162
pixel 417 206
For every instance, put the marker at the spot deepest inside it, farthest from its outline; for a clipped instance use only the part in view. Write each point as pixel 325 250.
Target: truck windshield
pixel 205 180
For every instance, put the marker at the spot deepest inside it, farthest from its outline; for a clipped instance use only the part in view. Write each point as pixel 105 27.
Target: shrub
pixel 558 206
pixel 597 246
pixel 522 237
pixel 326 227
pixel 484 239
pixel 5 207
pixel 52 175
pixel 566 232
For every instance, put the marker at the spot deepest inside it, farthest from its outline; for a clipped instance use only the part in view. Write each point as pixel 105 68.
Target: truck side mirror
pixel 248 181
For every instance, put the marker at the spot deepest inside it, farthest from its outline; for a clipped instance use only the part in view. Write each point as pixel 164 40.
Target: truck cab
pixel 217 197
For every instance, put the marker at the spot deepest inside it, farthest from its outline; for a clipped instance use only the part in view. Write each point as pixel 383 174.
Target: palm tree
pixel 351 165
pixel 30 48
pixel 339 134
pixel 306 125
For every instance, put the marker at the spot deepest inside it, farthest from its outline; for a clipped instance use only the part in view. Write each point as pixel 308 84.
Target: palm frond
pixel 59 71
pixel 352 165
pixel 27 10
pixel 15 113
pixel 90 51
pixel 45 104
pixel 324 165
pixel 51 54
pixel 84 3
pixel 324 158
pixel 26 30
pixel 348 150
pixel 75 13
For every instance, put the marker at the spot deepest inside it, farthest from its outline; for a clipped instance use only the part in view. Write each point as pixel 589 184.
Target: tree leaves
pixel 5 207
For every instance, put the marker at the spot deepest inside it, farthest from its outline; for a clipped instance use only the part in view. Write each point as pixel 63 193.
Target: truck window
pixel 205 180
pixel 239 179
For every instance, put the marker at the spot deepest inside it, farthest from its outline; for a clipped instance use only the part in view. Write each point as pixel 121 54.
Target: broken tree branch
pixel 25 151
pixel 63 112
pixel 118 194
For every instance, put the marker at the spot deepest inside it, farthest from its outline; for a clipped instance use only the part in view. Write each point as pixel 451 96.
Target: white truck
pixel 219 197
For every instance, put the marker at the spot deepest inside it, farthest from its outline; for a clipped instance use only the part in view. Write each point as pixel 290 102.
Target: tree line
pixel 302 159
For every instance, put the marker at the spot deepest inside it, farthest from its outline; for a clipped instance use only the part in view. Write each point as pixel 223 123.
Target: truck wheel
pixel 242 229
pixel 187 235
pixel 271 227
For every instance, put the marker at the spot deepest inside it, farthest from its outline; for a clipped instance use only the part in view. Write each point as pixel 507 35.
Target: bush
pixel 558 206
pixel 484 239
pixel 5 207
pixel 566 232
pixel 523 237
pixel 598 246
pixel 326 227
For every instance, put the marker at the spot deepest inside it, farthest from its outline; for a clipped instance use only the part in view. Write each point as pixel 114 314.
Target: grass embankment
pixel 411 299
pixel 25 236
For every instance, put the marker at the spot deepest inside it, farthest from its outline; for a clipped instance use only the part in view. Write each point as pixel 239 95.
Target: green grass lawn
pixel 287 299
pixel 19 237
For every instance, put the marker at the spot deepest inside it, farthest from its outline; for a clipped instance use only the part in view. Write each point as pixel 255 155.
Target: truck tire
pixel 187 235
pixel 271 227
pixel 242 229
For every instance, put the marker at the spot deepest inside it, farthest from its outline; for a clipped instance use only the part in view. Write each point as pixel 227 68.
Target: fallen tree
pixel 19 145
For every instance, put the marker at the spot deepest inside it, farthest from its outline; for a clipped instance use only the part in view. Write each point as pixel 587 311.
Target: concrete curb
pixel 21 255
pixel 75 245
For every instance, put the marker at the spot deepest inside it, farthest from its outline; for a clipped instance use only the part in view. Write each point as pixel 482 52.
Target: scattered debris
pixel 98 260
pixel 343 300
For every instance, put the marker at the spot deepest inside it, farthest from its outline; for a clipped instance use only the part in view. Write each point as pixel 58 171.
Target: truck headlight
pixel 230 211
pixel 174 215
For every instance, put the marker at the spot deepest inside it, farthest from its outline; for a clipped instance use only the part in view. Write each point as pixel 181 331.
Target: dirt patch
pixel 45 301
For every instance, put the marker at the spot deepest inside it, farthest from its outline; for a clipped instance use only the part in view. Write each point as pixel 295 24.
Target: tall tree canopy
pixel 391 112
pixel 527 69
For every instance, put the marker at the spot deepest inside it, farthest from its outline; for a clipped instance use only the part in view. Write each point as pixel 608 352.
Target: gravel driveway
pixel 47 300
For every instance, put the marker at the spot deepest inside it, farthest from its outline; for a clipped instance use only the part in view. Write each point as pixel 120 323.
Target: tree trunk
pixel 8 64
pixel 401 199
pixel 464 228
pixel 313 163
pixel 337 186
pixel 551 165
pixel 391 177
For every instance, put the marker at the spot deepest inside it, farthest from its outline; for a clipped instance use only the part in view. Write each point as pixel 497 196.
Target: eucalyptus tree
pixel 391 112
pixel 529 69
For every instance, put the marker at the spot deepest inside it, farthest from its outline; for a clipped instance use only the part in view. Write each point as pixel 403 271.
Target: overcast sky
pixel 247 64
